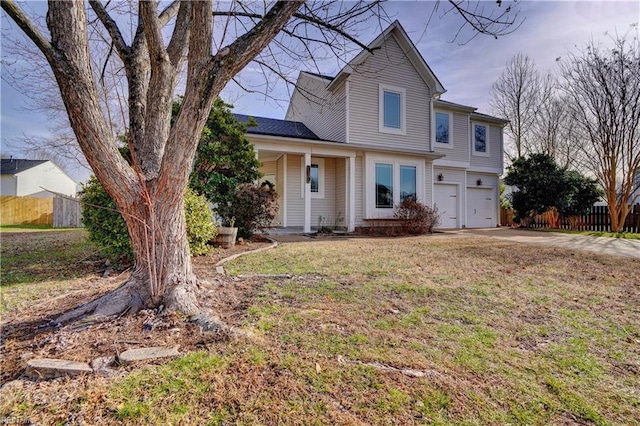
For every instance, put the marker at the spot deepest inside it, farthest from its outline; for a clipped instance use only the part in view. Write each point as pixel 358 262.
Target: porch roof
pixel 329 148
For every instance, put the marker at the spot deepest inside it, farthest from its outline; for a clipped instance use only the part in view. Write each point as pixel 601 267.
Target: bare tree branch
pixel 483 22
pixel 30 30
pixel 112 28
pixel 602 87
pixel 309 17
pixel 180 38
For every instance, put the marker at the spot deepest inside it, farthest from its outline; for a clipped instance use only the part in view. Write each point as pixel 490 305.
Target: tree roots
pixel 132 297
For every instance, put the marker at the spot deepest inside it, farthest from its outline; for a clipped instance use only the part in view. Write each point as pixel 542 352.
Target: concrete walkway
pixel 602 245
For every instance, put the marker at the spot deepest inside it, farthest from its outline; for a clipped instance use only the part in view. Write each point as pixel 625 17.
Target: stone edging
pixel 220 269
pixel 51 368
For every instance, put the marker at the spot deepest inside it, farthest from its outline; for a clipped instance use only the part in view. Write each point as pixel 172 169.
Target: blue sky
pixel 550 30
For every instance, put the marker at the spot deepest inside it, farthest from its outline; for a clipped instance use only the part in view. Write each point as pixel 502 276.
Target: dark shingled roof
pixel 275 127
pixel 11 166
pixel 326 77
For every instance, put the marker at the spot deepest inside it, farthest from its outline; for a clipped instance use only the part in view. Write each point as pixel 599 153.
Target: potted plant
pixel 227 235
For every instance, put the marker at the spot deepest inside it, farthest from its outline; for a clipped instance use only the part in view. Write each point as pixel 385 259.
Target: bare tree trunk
pixel 618 212
pixel 162 274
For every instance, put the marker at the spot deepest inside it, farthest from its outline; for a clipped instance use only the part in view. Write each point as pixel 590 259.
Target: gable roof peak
pixel 397 30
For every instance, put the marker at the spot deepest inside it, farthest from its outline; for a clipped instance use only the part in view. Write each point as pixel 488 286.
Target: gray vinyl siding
pixel 280 189
pixel 325 207
pixel 295 202
pixel 268 168
pixel 494 159
pixel 487 179
pixel 459 136
pixel 460 151
pixel 428 187
pixel 341 189
pixel 450 175
pixel 388 66
pixel 323 112
pixel 359 191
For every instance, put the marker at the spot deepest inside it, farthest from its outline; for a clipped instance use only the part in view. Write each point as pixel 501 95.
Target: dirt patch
pixel 32 332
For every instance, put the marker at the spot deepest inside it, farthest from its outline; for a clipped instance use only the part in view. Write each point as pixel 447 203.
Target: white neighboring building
pixel 32 178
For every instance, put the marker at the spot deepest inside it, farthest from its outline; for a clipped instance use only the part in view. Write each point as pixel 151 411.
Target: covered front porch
pixel 315 182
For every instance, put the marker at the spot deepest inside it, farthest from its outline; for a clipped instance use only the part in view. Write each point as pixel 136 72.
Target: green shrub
pixel 253 208
pixel 107 228
pixel 416 218
pixel 104 223
pixel 200 227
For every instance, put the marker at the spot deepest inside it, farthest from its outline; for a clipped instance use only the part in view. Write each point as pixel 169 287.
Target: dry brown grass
pixel 504 332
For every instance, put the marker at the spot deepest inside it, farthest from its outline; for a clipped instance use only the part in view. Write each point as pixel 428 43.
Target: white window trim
pixel 435 140
pixel 473 139
pixel 403 110
pixel 371 211
pixel 321 169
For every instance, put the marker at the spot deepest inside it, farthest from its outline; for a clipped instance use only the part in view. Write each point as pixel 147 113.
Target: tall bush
pixel 200 226
pixel 543 186
pixel 253 208
pixel 104 223
pixel 581 195
pixel 539 184
pixel 225 159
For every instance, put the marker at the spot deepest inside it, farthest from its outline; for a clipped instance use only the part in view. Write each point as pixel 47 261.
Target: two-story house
pixel 354 145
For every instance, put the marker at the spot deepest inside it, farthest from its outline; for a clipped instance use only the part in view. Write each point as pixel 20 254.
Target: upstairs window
pixel 392 110
pixel 480 139
pixel 442 128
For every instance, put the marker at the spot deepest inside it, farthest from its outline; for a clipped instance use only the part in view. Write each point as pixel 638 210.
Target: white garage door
pixel 446 198
pixel 480 208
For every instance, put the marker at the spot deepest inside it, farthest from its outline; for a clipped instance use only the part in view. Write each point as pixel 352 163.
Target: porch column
pixel 255 150
pixel 351 194
pixel 307 194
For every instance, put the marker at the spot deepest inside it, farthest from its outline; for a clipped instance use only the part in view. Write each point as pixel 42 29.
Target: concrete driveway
pixel 603 245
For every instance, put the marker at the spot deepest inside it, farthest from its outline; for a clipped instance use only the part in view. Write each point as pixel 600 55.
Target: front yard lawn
pixel 421 330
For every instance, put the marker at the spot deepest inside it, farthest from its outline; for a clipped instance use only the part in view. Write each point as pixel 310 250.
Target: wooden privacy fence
pixel 597 220
pixel 26 210
pixel 66 213
pixel 58 212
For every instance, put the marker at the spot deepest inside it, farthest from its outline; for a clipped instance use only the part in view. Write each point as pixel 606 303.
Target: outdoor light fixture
pixel 308 174
pixel 479 182
pixel 440 177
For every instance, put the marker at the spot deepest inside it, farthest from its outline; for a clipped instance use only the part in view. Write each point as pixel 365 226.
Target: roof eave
pixel 489 118
pixel 427 154
pixel 454 106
